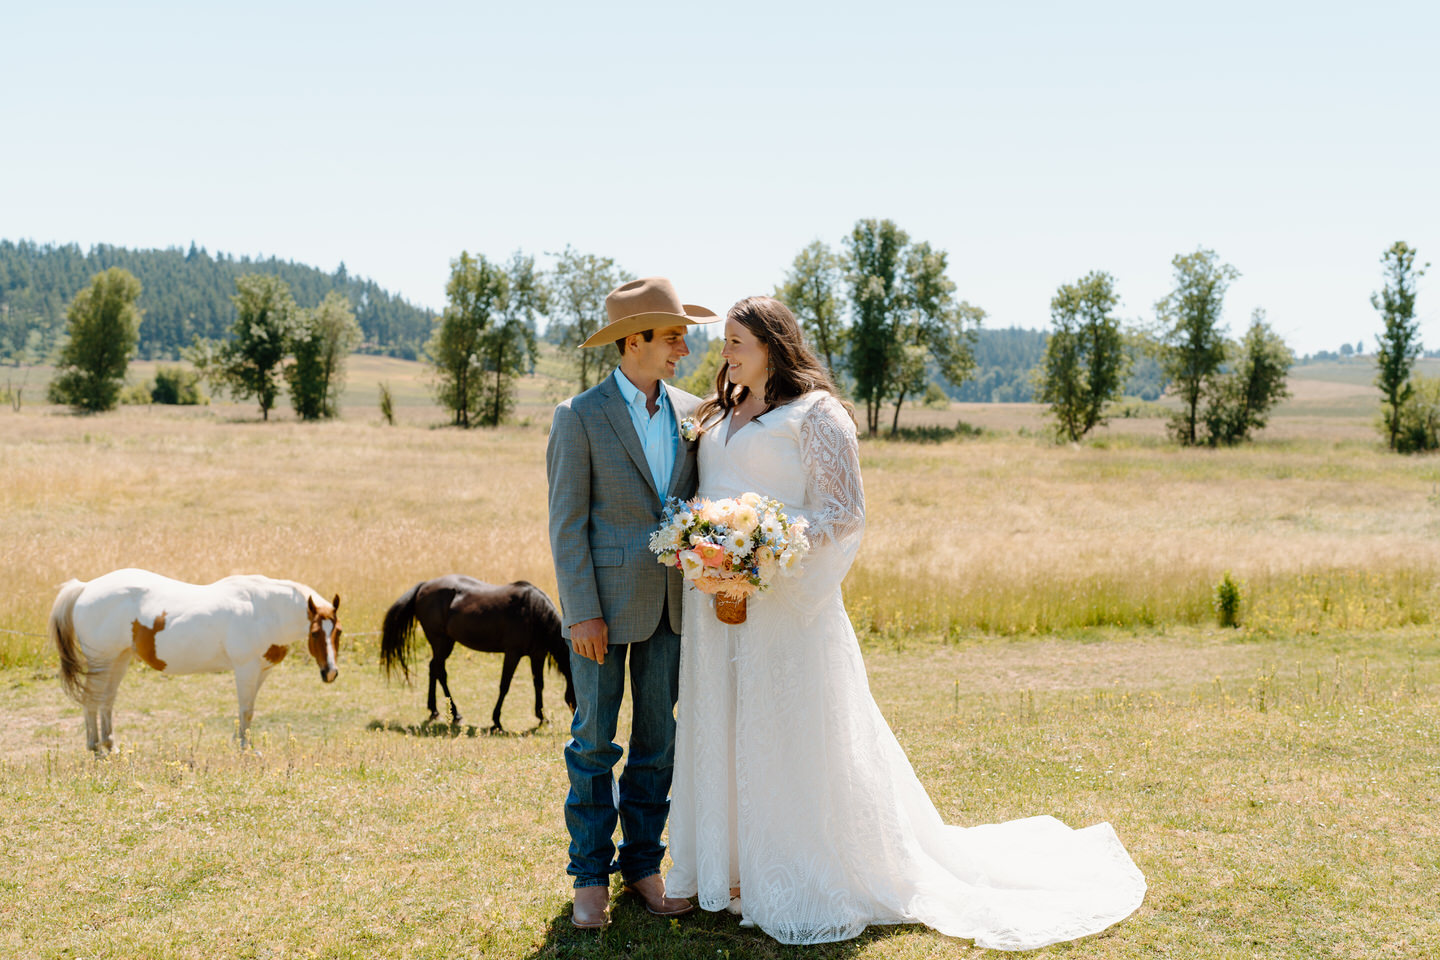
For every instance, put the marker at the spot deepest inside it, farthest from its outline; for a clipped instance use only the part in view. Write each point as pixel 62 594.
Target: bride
pixel 792 802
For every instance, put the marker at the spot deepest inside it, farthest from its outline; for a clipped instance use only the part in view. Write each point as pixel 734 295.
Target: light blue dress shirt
pixel 658 434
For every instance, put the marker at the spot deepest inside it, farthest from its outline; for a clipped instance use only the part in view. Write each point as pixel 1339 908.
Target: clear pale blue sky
pixel 709 143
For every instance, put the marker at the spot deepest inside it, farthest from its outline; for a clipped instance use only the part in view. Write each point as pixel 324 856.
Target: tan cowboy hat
pixel 646 304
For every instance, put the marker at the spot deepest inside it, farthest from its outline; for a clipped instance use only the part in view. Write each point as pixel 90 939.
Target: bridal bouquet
pixel 731 547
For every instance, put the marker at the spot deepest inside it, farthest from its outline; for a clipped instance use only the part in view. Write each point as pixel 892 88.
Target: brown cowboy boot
pixel 591 910
pixel 651 892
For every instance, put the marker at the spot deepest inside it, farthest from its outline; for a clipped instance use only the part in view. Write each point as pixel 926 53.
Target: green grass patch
pixel 1279 797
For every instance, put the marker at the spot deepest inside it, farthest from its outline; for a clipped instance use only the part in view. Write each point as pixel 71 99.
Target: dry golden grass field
pixel 1036 618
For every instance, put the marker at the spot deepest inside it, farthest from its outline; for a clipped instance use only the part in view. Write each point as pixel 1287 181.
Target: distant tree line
pixel 1347 351
pixel 186 294
pixel 103 321
pixel 1226 388
pixel 1006 358
pixel 882 312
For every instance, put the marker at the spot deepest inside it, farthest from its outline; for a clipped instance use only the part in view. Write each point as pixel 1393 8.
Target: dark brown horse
pixel 516 619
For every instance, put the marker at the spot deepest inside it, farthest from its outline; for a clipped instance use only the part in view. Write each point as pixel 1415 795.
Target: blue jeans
pixel 642 801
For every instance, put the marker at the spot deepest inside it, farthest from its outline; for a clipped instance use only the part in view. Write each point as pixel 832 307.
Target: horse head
pixel 560 655
pixel 325 636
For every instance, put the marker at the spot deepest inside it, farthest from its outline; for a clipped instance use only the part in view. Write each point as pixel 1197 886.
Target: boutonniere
pixel 690 429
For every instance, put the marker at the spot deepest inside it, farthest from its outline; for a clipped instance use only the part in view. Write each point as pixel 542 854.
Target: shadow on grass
pixel 934 434
pixel 633 933
pixel 437 728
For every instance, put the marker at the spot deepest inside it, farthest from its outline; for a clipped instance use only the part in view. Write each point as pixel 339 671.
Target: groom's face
pixel 656 359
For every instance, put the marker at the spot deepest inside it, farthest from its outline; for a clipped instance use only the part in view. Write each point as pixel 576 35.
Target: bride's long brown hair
pixel 795 370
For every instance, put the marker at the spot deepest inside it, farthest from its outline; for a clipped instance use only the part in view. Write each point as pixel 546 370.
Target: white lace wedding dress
pixel 788 782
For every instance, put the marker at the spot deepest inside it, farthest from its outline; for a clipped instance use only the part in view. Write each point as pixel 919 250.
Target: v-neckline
pixel 731 429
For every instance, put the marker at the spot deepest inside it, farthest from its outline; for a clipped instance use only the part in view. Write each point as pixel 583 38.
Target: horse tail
pixel 73 670
pixel 398 632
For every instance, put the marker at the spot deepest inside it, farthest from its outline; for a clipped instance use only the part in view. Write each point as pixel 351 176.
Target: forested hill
pixel 186 294
pixel 1005 362
pixel 1004 359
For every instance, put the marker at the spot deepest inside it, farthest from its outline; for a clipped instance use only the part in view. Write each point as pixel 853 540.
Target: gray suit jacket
pixel 603 507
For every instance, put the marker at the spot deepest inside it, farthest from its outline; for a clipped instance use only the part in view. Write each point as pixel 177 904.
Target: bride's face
pixel 746 357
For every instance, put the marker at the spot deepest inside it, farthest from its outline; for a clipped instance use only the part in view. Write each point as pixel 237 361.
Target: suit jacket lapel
pixel 682 449
pixel 619 415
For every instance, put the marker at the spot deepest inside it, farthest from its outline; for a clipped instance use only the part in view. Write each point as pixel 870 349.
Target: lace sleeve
pixel 834 506
pixel 830 454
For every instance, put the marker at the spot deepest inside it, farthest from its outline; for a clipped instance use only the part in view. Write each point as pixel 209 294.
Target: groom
pixel 615 454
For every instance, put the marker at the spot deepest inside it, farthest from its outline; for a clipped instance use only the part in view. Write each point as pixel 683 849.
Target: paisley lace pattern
pixel 789 782
pixel 830 458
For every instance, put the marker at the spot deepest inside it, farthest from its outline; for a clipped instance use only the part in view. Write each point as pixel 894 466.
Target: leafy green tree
pixel 475 291
pixel 701 380
pixel 248 365
pixel 104 327
pixel 812 289
pixel 934 328
pixel 904 318
pixel 1239 400
pixel 176 385
pixel 486 337
pixel 1086 360
pixel 1193 338
pixel 1420 417
pixel 138 394
pixel 323 338
pixel 1398 344
pixel 204 355
pixel 578 286
pixel 874 260
pixel 509 346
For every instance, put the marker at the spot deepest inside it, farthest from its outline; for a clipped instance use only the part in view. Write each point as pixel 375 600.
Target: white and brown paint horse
pixel 245 624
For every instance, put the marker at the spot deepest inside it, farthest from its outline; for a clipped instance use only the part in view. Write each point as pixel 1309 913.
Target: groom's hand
pixel 590 639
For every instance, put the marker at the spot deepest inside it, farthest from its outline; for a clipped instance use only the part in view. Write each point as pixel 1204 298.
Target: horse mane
pixel 321 601
pixel 541 611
